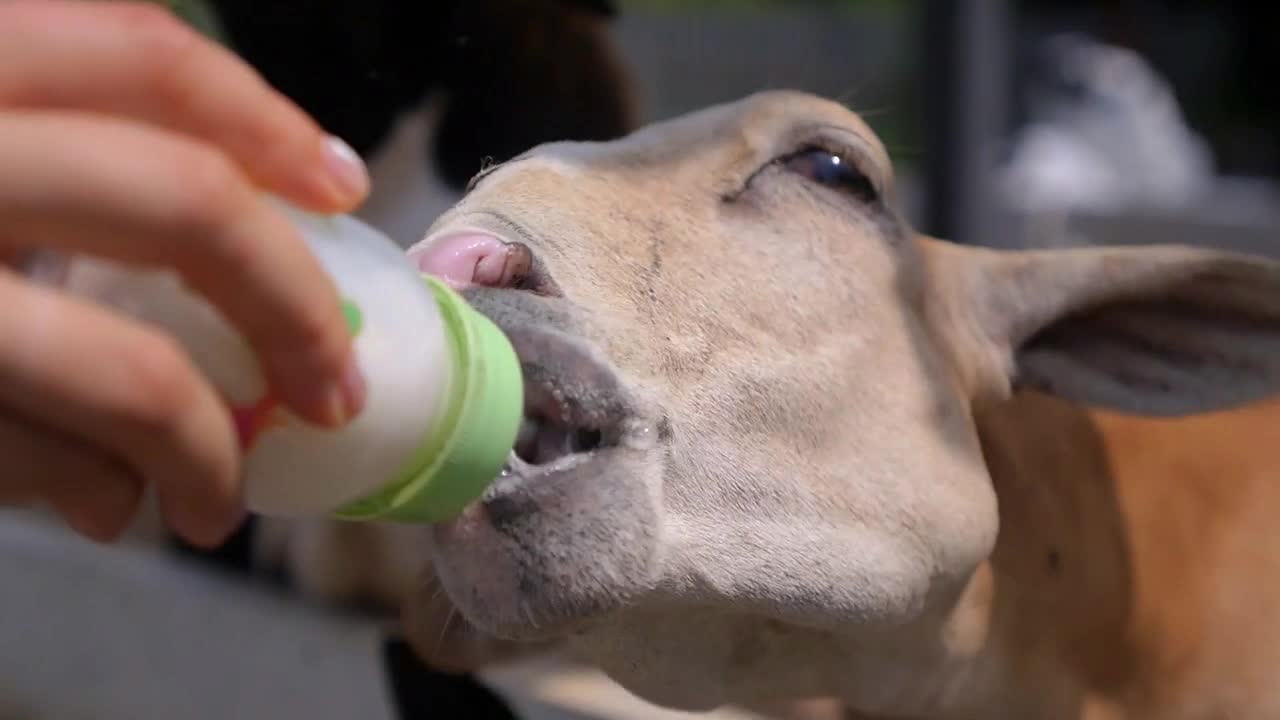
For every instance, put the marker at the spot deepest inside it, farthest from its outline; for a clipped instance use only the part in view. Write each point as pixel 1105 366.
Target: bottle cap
pixel 472 439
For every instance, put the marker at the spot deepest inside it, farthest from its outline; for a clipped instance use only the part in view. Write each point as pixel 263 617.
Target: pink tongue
pixel 464 260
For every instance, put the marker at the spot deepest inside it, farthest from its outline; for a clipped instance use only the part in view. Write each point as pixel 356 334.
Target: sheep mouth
pixel 574 406
pixel 542 441
pixel 565 535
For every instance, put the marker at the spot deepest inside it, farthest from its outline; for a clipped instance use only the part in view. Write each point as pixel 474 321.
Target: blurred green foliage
pixel 197 13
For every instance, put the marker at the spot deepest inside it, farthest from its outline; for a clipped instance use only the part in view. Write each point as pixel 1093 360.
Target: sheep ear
pixel 529 73
pixel 1158 330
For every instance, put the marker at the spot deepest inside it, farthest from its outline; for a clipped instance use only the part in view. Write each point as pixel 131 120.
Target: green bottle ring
pixel 471 439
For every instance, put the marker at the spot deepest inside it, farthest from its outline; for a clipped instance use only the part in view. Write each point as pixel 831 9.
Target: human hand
pixel 126 135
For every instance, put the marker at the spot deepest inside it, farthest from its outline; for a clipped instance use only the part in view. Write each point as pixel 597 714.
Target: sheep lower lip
pixel 519 478
pixel 518 468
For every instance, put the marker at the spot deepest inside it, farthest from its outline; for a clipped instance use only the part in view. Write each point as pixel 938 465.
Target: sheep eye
pixel 831 170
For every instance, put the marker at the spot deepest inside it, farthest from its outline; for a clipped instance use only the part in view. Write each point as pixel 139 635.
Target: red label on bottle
pixel 252 420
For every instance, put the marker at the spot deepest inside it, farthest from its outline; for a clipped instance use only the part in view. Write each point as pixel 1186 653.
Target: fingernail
pixel 104 511
pixel 235 521
pixel 351 392
pixel 346 170
pixel 204 522
pixel 89 523
pixel 208 534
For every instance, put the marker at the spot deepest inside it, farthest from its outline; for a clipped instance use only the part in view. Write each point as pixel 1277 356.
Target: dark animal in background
pixel 512 73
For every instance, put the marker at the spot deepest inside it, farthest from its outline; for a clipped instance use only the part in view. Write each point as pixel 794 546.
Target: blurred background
pixel 1038 122
pixel 1045 121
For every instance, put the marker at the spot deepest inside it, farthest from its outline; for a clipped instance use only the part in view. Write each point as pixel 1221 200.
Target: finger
pixel 138 60
pixel 115 189
pixel 94 492
pixel 132 392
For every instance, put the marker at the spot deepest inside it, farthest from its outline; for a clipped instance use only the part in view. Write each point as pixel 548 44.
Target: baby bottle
pixel 445 393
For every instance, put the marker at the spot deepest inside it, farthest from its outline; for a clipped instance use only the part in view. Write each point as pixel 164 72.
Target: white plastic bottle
pixel 445 394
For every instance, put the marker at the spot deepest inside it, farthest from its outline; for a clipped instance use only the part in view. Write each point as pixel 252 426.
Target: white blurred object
pixel 1106 133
